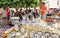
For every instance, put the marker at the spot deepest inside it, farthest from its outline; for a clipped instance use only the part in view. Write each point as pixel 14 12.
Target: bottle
pixel 36 36
pixel 32 33
pixel 43 36
pixel 18 34
pixel 54 35
pixel 22 30
pixel 16 27
pixel 40 33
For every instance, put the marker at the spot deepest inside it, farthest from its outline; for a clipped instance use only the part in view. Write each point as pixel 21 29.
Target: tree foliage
pixel 19 3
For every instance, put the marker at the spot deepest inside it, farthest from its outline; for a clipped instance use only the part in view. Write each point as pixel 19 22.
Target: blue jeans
pixel 43 17
pixel 8 17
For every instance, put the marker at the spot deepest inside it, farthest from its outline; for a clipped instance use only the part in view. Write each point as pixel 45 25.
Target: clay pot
pixel 58 14
pixel 49 20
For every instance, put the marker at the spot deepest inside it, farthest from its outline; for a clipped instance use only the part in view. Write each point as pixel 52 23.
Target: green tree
pixel 19 3
pixel 40 3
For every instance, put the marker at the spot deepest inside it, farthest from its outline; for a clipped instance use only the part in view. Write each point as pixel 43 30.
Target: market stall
pixel 37 28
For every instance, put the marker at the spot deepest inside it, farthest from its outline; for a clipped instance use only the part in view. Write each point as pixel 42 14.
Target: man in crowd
pixel 20 14
pixel 50 12
pixel 26 11
pixel 43 11
pixel 34 12
pixel 29 10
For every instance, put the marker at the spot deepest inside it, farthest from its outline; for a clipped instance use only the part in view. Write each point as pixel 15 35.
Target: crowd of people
pixel 6 13
pixel 29 13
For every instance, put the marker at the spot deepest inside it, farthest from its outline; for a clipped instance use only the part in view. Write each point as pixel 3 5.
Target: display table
pixel 31 28
pixel 37 27
pixel 9 31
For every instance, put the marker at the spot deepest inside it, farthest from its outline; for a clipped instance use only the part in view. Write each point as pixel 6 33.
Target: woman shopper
pixel 7 12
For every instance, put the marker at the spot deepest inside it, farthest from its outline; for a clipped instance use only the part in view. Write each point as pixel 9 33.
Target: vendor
pixel 3 27
pixel 5 24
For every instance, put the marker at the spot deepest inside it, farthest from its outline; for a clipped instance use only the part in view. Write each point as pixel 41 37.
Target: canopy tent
pixel 52 3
